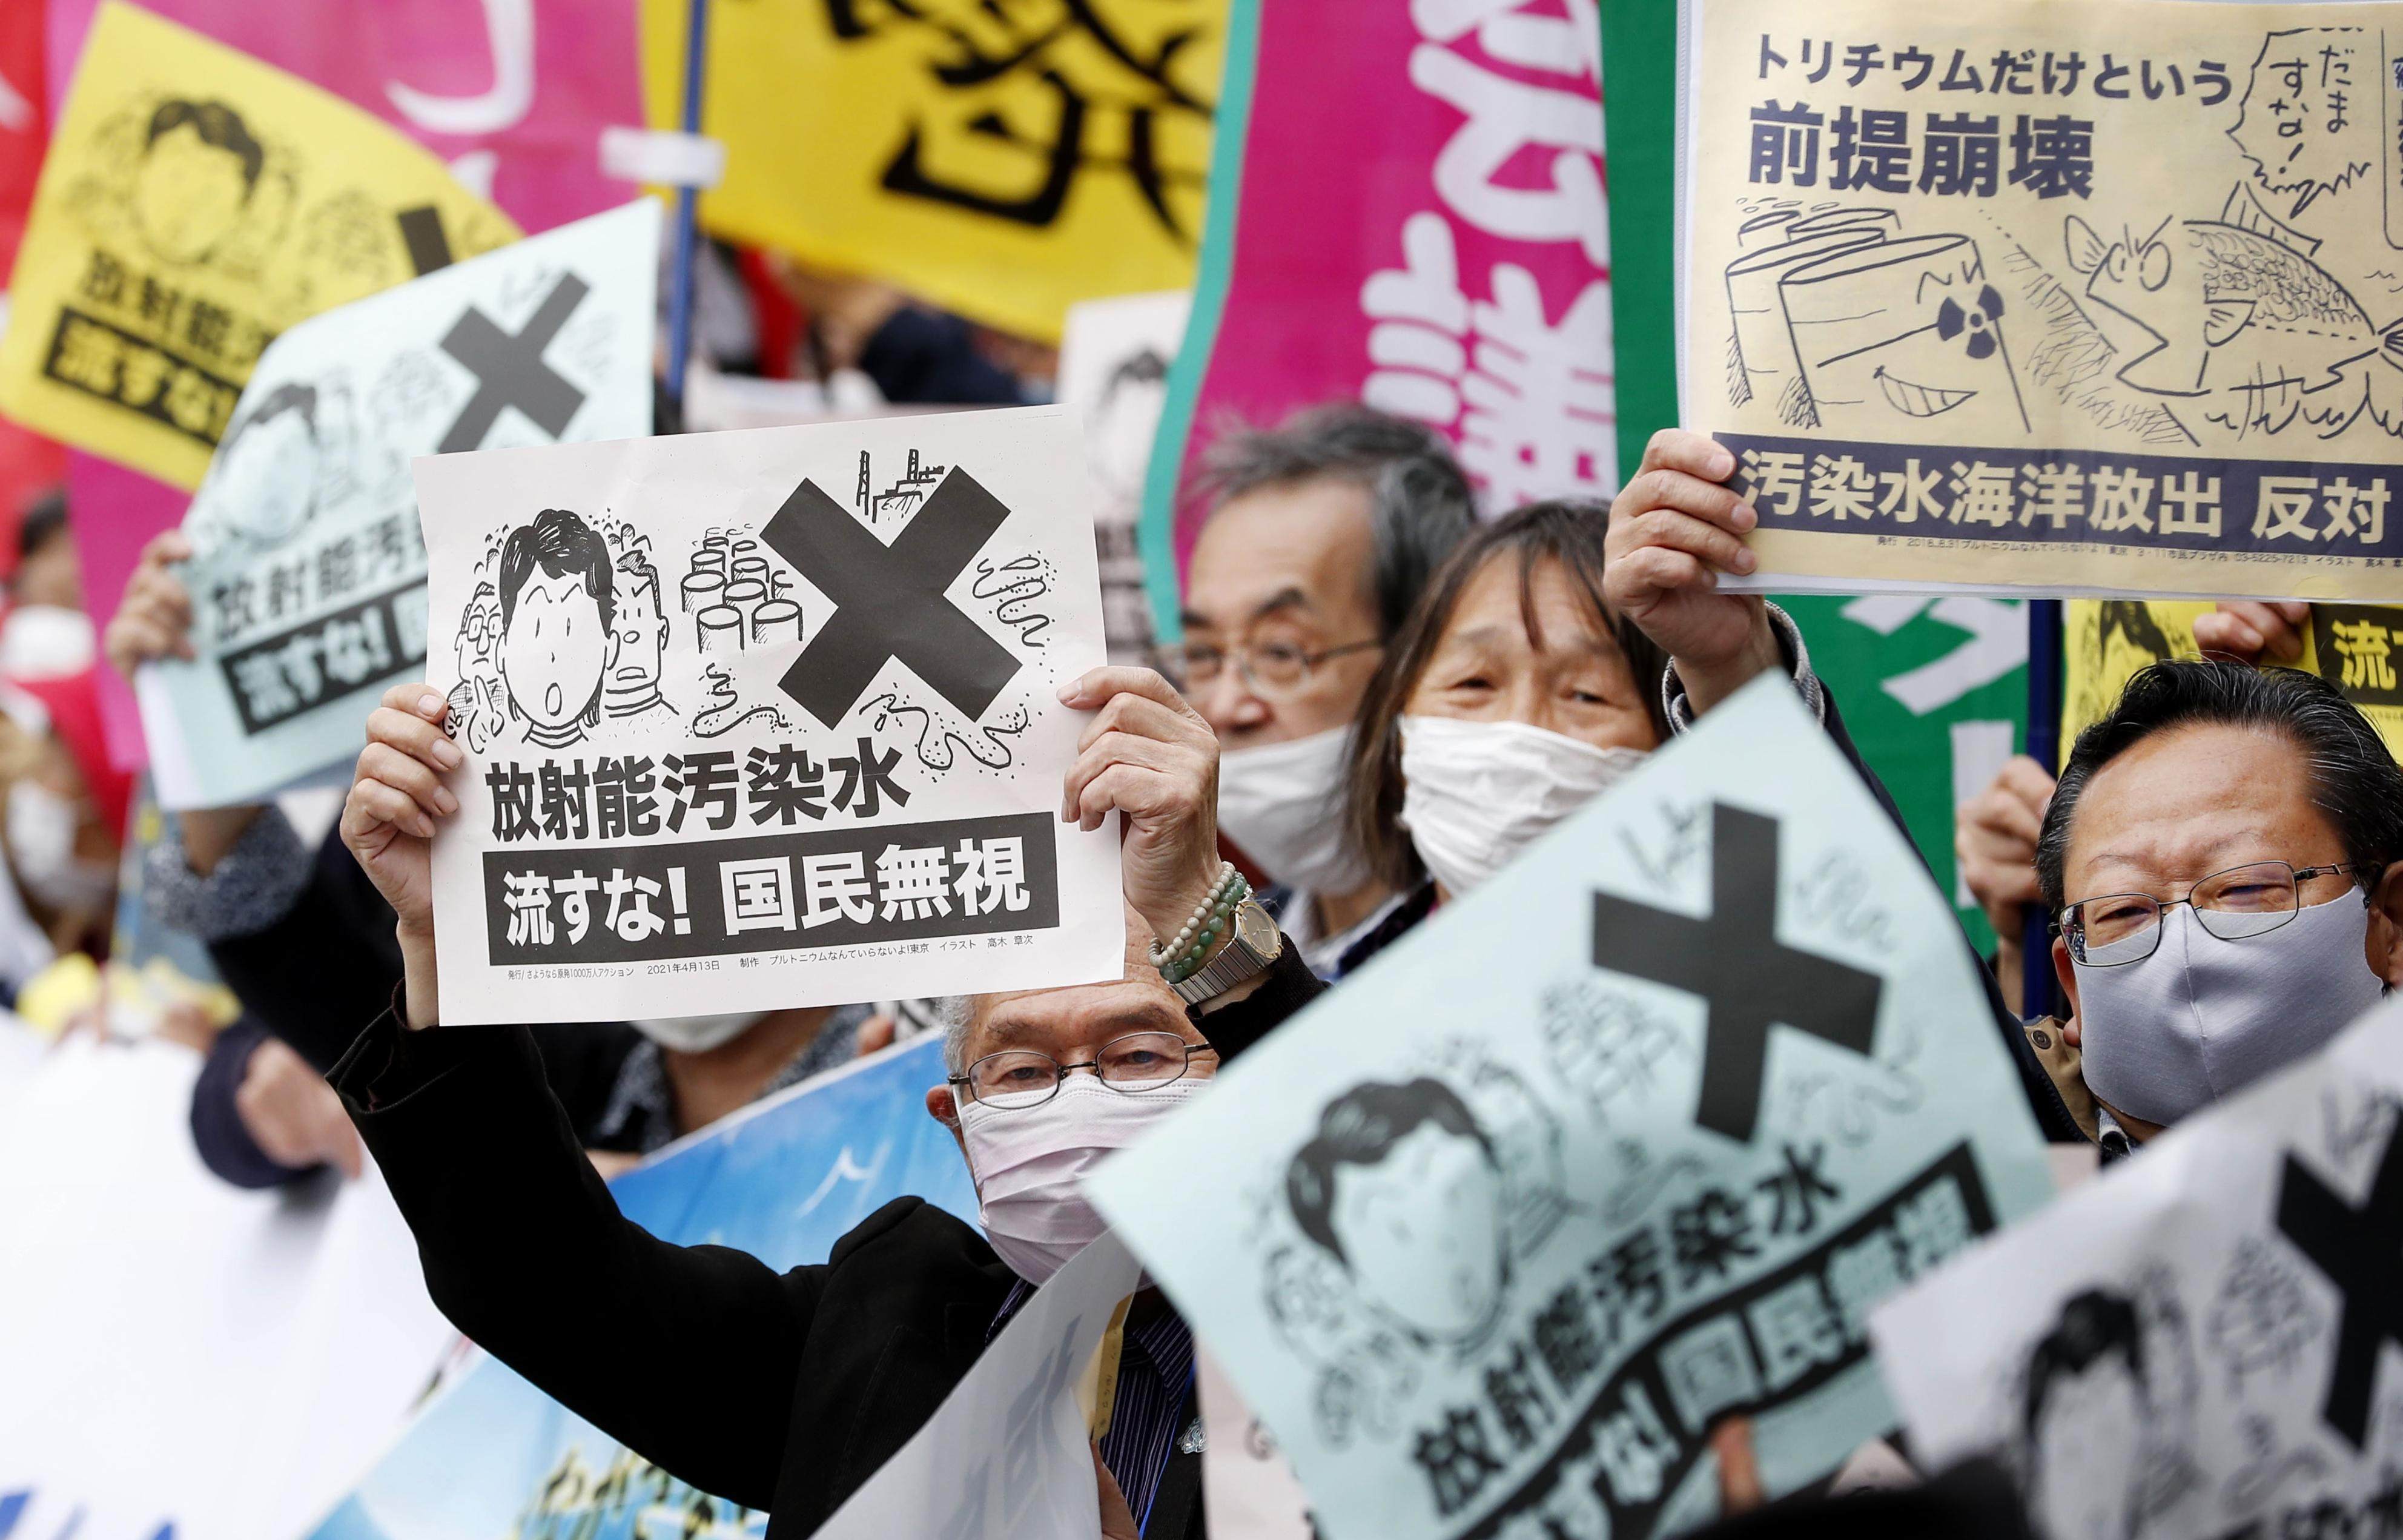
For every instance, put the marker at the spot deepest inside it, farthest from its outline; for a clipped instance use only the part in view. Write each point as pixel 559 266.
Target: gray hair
pixel 1420 501
pixel 2354 780
pixel 954 1013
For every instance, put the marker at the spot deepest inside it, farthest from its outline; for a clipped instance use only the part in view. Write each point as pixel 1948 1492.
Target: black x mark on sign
pixel 509 370
pixel 2361 1250
pixel 1749 980
pixel 888 600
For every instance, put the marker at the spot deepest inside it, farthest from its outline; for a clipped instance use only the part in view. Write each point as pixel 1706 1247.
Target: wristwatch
pixel 1256 943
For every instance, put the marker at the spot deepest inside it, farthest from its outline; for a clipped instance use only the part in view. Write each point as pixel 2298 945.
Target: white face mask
pixel 699 1033
pixel 2202 1018
pixel 41 836
pixel 1028 1164
pixel 1476 794
pixel 1280 804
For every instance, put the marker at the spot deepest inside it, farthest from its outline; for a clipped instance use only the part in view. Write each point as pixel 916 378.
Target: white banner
pixel 767 718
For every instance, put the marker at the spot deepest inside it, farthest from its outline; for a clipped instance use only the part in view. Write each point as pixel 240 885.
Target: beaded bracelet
pixel 1184 953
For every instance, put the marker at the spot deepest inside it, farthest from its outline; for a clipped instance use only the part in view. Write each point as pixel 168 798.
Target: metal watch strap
pixel 1236 961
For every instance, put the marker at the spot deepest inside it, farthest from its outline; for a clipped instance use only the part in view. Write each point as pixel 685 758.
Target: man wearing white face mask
pixel 786 1391
pixel 1322 533
pixel 2222 858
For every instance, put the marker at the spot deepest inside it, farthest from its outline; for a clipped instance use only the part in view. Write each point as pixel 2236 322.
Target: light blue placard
pixel 493 1457
pixel 1495 1232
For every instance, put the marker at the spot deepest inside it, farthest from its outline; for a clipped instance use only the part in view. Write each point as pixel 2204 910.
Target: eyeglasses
pixel 2234 905
pixel 1266 668
pixel 1017 1078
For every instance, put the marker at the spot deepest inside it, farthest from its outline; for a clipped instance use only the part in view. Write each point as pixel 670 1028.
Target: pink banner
pixel 513 92
pixel 1422 226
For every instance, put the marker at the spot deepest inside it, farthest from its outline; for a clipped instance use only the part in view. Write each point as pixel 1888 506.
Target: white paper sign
pixel 766 718
pixel 2203 1340
pixel 308 578
pixel 1008 1455
pixel 1114 360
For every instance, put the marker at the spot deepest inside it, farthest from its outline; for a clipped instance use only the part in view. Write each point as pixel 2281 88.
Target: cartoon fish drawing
pixel 2228 304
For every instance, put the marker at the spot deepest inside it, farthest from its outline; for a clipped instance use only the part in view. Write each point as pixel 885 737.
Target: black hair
pixel 294 395
pixel 45 519
pixel 217 124
pixel 2353 779
pixel 2093 1326
pixel 1360 1128
pixel 558 542
pixel 1420 504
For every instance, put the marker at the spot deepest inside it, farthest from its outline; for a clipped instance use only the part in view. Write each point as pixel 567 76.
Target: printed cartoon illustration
pixel 478 701
pixel 196 180
pixel 266 482
pixel 640 641
pixel 2231 304
pixel 1404 1189
pixel 558 599
pixel 2106 1411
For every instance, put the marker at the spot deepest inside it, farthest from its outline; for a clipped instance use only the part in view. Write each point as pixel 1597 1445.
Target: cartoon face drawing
pixel 198 169
pixel 1404 1189
pixel 641 639
pixel 479 633
pixel 263 485
pixel 2085 1412
pixel 557 606
pixel 1910 329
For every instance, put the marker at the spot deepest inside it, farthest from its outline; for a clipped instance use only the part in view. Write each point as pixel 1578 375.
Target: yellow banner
pixel 2356 647
pixel 194 203
pixel 1001 161
pixel 2085 297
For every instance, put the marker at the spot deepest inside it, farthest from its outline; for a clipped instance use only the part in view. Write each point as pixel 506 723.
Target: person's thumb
pixel 1117 1519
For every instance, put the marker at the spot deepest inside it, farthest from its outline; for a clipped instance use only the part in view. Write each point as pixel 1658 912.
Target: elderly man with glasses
pixel 1320 536
pixel 2221 862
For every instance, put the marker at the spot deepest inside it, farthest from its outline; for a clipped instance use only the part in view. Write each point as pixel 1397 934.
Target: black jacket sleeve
pixel 2052 1117
pixel 224 1145
pixel 687 1353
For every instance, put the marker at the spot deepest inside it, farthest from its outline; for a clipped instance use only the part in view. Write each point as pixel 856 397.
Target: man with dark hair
pixel 558 611
pixel 2221 858
pixel 200 166
pixel 1321 535
pixel 1403 1188
pixel 2085 1412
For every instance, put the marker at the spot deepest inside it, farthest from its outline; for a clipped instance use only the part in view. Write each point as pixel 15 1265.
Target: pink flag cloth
pixel 1422 226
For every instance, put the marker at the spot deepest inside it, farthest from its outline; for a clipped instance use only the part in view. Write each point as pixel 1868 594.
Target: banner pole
pixel 2044 747
pixel 687 240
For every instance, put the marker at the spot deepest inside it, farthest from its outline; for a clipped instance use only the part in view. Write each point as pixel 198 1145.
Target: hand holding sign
pixel 388 821
pixel 1674 529
pixel 1148 754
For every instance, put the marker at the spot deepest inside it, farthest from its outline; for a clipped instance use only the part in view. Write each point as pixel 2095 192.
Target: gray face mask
pixel 2202 1018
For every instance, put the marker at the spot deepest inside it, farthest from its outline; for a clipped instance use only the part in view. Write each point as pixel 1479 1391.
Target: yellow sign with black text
pixel 1005 162
pixel 194 203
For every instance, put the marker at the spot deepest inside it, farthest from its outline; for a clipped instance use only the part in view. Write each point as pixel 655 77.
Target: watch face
pixel 1256 930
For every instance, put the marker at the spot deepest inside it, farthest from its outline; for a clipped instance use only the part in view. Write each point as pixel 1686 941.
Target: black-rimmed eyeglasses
pixel 1015 1079
pixel 2234 904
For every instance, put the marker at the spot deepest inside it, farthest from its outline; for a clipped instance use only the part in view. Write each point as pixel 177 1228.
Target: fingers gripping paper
pixel 194 204
pixel 2201 1341
pixel 1627 1141
pixel 2094 297
pixel 307 576
pixel 765 719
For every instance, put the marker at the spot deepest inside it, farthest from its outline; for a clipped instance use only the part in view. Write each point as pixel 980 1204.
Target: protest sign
pixel 2096 298
pixel 308 573
pixel 1247 1488
pixel 513 93
pixel 178 1356
pixel 1114 364
pixel 766 718
pixel 194 204
pixel 1627 1140
pixel 784 1181
pixel 1455 271
pixel 2192 1343
pixel 2105 641
pixel 1010 1452
pixel 1003 162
